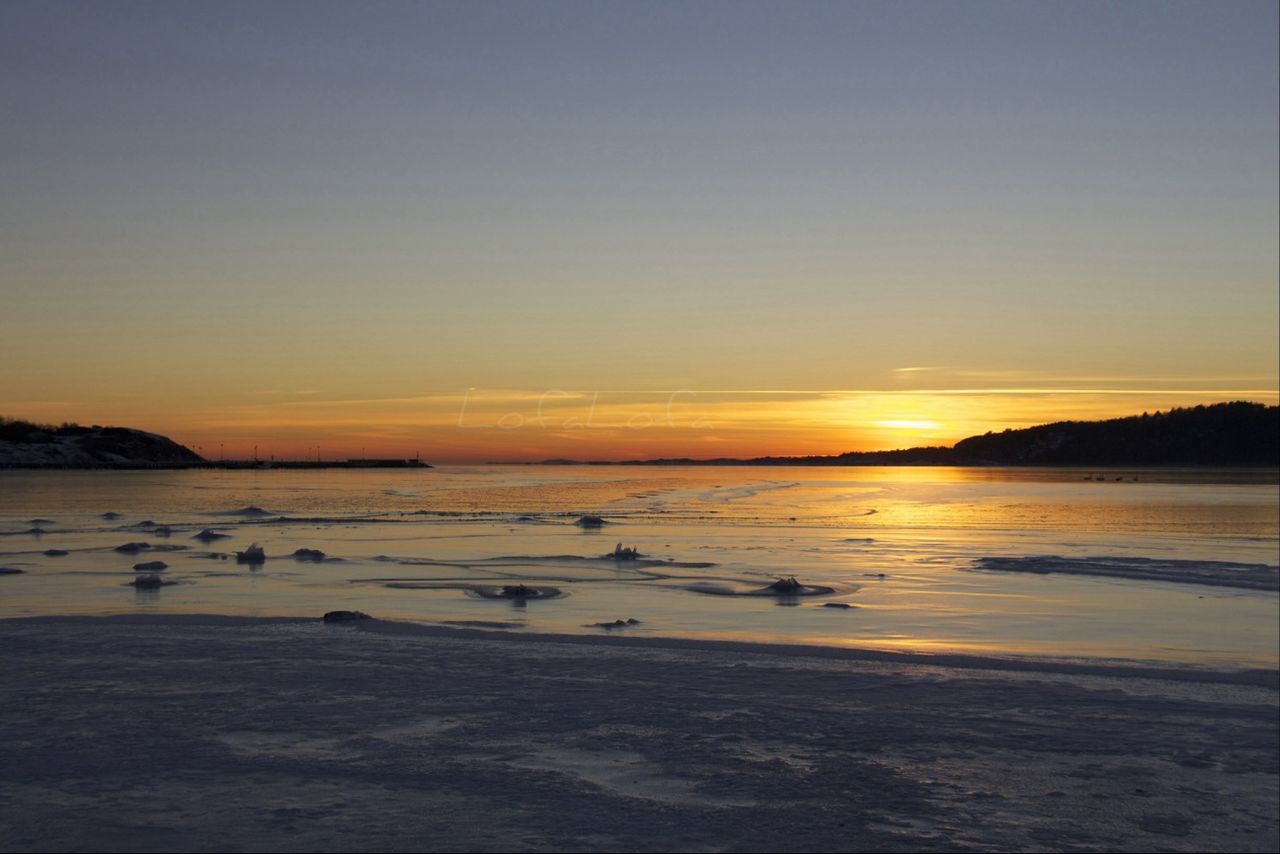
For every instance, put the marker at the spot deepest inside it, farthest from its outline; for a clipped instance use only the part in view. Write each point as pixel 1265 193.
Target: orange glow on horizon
pixel 476 426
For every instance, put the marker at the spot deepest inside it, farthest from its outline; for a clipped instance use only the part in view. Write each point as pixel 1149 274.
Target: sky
pixel 605 230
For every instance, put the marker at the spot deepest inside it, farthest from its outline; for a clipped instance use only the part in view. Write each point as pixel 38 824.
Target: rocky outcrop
pixel 27 445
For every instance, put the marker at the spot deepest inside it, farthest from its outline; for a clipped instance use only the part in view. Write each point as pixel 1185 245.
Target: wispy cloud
pixel 1043 378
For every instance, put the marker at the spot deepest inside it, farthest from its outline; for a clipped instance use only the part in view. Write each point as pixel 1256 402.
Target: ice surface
pixel 199 733
pixel 909 568
pixel 1207 572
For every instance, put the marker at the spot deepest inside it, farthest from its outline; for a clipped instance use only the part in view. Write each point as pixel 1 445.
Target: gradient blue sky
pixel 212 209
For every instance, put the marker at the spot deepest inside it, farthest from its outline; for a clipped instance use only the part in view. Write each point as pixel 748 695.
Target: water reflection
pixel 918 532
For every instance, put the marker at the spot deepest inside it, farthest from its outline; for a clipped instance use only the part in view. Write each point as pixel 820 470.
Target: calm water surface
pixel 896 544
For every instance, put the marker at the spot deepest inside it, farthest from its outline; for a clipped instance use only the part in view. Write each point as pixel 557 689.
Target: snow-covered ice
pixel 214 733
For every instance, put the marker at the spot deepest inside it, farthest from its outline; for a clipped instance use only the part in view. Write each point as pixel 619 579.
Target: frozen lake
pixel 1167 566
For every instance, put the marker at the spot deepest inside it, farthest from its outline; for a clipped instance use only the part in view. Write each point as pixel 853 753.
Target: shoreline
pixel 1123 668
pixel 223 465
pixel 200 733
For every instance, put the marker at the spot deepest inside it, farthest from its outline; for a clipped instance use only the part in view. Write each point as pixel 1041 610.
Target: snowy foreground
pixel 208 733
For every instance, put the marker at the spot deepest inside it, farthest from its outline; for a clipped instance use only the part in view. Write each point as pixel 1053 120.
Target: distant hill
pixel 1225 434
pixel 1221 434
pixel 27 445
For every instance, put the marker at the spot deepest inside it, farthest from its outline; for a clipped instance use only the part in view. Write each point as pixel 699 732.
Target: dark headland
pixel 26 445
pixel 1221 434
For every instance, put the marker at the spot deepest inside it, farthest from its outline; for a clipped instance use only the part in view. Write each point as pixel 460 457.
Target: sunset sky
pixel 498 231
